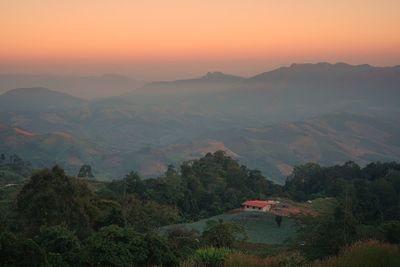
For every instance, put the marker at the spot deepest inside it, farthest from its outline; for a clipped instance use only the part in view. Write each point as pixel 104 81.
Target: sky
pixel 168 39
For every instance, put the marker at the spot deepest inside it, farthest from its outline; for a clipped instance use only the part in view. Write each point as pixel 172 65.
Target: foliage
pixel 204 187
pixel 324 235
pixel 115 246
pixel 310 180
pixel 365 254
pixel 61 244
pixel 110 212
pixel 223 234
pixel 368 204
pixel 60 221
pixel 238 259
pixel 147 215
pixel 391 230
pixel 184 242
pixel 210 256
pixel 20 251
pixel 160 253
pixel 216 183
pixel 85 171
pixel 53 198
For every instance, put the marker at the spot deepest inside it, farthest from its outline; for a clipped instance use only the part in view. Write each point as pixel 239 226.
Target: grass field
pixel 318 205
pixel 260 227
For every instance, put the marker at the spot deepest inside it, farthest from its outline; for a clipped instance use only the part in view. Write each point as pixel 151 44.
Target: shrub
pixel 246 260
pixel 283 260
pixel 184 242
pixel 223 234
pixel 365 254
pixel 210 257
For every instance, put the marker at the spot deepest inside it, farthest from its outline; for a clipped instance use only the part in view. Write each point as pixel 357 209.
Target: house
pixel 258 205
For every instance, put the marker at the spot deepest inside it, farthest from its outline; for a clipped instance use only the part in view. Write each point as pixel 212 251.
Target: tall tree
pixel 85 171
pixel 52 198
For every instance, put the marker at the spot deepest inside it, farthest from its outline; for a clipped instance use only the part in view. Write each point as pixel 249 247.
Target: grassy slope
pixel 260 227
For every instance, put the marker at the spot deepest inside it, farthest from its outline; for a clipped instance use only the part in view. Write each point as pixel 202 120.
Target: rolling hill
pixel 38 99
pixel 328 113
pixel 87 87
pixel 276 149
pixel 45 150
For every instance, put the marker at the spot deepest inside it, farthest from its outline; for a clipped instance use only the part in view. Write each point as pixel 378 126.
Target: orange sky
pixel 154 39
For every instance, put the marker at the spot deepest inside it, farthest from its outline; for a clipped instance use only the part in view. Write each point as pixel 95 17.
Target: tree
pixel 85 171
pixel 20 251
pixel 216 183
pixel 278 220
pixel 184 242
pixel 53 198
pixel 115 246
pixel 159 252
pixel 223 234
pixel 147 215
pixel 131 184
pixel 16 161
pixel 60 243
pixel 392 231
pixel 327 233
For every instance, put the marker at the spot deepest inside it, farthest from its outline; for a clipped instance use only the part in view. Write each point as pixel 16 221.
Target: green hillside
pixel 260 227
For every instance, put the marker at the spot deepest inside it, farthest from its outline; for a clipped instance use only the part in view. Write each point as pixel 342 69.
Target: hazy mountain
pixel 167 122
pixel 329 139
pixel 45 150
pixel 303 90
pixel 209 83
pixel 81 86
pixel 289 93
pixel 38 99
pixel 275 149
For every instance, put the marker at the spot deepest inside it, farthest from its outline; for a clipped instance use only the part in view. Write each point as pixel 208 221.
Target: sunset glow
pixel 183 37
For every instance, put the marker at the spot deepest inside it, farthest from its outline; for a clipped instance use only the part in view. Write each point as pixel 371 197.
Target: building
pixel 259 205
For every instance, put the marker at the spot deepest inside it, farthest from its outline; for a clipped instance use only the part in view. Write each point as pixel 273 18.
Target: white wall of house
pixel 264 209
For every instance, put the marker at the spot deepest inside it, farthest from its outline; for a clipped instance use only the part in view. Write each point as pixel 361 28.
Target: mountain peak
pixel 220 76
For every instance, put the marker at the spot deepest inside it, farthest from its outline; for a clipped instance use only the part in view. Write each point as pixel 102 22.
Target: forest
pixel 49 218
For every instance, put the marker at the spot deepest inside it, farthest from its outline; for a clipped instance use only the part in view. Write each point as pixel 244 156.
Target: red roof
pixel 257 203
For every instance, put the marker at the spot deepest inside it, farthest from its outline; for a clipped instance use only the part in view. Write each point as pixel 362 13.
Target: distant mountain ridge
pixel 275 149
pixel 38 99
pixel 44 150
pixel 208 83
pixel 339 73
pixel 87 87
pixel 165 122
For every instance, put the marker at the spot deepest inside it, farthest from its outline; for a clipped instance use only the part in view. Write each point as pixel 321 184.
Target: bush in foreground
pixel 282 260
pixel 365 254
pixel 208 257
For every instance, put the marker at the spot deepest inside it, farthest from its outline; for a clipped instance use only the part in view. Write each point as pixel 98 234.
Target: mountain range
pixel 327 113
pixel 87 87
